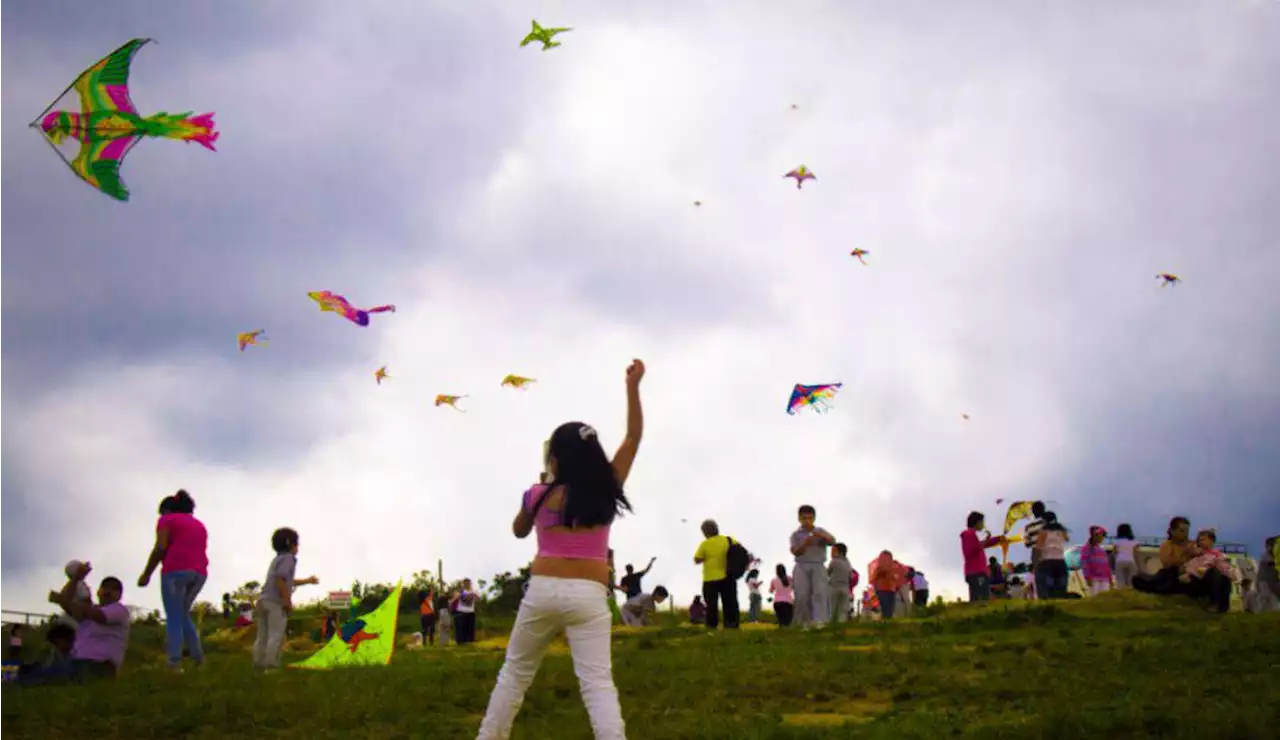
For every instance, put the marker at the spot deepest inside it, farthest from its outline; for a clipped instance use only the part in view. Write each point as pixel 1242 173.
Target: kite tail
pixel 185 127
pixel 382 309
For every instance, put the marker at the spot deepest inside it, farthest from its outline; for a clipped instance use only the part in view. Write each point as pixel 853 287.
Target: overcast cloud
pixel 1019 175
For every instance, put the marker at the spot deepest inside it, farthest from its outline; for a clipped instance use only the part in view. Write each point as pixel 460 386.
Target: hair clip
pixel 586 432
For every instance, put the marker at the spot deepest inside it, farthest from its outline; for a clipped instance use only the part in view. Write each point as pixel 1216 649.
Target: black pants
pixel 429 628
pixel 921 597
pixel 464 627
pixel 785 610
pixel 1213 586
pixel 713 592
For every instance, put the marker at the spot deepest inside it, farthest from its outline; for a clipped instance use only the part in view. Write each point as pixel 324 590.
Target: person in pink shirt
pixel 100 640
pixel 783 596
pixel 975 565
pixel 572 513
pixel 1094 562
pixel 180 550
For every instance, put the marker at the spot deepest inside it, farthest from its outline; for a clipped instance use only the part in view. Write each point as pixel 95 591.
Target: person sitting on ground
pixel 1016 588
pixel 1209 573
pixel 697 611
pixel 15 642
pixel 61 639
pixel 1175 551
pixel 100 640
pixel 638 610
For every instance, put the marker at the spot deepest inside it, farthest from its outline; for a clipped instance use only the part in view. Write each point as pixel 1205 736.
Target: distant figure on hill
pixel 972 549
pixel 697 611
pixel 181 542
pixel 15 642
pixel 718 589
pixel 1094 562
pixel 569 582
pixel 1175 554
pixel 920 589
pixel 1031 538
pixel 427 616
pixel 1125 548
pixel 1266 595
pixel 886 575
pixel 631 581
pixel 839 576
pixel 1051 572
pixel 465 618
pixel 809 546
pixel 783 596
pixel 754 599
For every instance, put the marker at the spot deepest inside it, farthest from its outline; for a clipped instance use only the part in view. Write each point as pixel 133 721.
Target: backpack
pixel 736 560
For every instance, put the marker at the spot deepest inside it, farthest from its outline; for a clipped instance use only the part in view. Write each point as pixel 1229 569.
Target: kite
pixel 108 125
pixel 330 301
pixel 365 640
pixel 801 174
pixel 697 203
pixel 515 381
pixel 1168 278
pixel 250 337
pixel 795 107
pixel 544 35
pixel 860 253
pixel 814 396
pixel 380 373
pixel 442 400
pixel 966 418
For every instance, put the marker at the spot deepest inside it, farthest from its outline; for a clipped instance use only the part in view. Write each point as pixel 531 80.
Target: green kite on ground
pixel 369 639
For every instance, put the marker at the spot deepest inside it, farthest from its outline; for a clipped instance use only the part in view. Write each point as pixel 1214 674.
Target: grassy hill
pixel 1123 665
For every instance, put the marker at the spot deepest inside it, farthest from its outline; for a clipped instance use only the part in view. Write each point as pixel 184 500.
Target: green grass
pixel 1123 665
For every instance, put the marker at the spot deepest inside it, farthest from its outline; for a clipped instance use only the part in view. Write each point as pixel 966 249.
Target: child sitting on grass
pixel 276 601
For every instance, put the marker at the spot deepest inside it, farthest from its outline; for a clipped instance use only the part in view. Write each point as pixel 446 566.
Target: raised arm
pixel 626 454
pixel 157 555
pixel 648 567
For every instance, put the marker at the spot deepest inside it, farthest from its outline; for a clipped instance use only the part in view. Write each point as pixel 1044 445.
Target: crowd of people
pixel 572 584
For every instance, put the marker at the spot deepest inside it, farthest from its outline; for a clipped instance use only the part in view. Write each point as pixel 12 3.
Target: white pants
pixel 271 621
pixel 812 586
pixel 1097 587
pixel 1125 571
pixel 631 619
pixel 580 609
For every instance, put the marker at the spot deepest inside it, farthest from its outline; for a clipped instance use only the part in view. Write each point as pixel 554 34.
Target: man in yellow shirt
pixel 717 587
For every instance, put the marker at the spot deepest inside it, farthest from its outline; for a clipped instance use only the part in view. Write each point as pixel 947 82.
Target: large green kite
pixel 369 639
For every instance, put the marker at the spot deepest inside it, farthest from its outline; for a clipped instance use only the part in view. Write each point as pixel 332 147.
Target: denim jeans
pixel 552 606
pixel 178 591
pixel 888 600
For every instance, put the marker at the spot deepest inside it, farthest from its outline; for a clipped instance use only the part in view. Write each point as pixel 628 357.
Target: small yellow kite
pixel 442 400
pixel 380 374
pixel 250 337
pixel 515 381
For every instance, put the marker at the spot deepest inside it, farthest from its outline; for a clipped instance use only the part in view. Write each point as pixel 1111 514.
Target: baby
pixel 83 594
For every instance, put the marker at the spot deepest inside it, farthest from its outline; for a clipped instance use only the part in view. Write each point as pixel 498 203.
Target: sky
pixel 1019 174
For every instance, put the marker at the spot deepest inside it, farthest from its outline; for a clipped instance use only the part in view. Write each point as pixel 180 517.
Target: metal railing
pixel 27 617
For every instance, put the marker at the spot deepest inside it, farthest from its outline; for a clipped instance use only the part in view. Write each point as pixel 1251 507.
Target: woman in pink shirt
pixel 975 564
pixel 569 581
pixel 783 597
pixel 181 541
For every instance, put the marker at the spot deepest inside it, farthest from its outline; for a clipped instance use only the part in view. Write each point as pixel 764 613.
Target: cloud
pixel 532 213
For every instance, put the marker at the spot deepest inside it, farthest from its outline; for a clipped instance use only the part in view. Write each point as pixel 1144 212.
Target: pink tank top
pixel 558 541
pixel 187 543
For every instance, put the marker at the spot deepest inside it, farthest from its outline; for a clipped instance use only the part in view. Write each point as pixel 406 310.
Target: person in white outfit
pixel 569 581
pixel 1125 546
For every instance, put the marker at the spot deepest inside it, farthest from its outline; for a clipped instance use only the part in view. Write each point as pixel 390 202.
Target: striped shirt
pixel 1094 563
pixel 1029 534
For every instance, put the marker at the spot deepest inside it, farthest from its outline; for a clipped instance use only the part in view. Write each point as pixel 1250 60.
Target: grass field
pixel 1123 665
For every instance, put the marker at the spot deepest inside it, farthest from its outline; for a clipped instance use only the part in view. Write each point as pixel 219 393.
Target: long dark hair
pixel 1124 532
pixel 782 576
pixel 592 494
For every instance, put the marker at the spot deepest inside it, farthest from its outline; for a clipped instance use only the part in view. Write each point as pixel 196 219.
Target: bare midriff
pixel 590 570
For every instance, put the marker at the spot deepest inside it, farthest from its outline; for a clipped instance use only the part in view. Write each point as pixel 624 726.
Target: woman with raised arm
pixel 569 581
